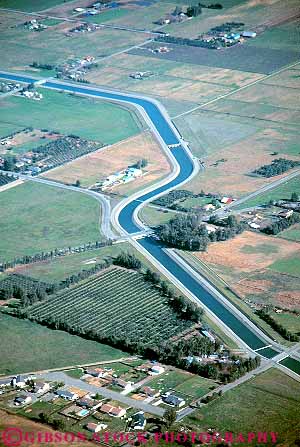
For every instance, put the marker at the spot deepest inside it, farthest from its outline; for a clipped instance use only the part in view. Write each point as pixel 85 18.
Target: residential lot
pixel 46 348
pixel 269 400
pixel 41 218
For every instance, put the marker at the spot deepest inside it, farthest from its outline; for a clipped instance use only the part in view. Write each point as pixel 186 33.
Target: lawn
pixel 269 402
pixel 45 348
pixel 63 112
pixel 280 192
pixel 62 267
pixel 289 265
pixel 170 380
pixel 41 218
pixel 196 386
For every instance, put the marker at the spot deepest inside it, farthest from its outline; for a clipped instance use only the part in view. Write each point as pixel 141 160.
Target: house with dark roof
pixel 172 400
pixel 67 395
pixel 138 421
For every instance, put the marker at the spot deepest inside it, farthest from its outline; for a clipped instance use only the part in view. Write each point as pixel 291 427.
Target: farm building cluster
pixel 119 178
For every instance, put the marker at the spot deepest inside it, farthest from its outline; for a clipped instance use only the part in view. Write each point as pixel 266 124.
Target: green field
pixel 154 216
pixel 280 192
pixel 40 218
pixel 269 402
pixel 64 266
pixel 292 233
pixel 31 5
pixel 63 112
pixel 116 303
pixel 31 347
pixel 288 266
pixel 288 320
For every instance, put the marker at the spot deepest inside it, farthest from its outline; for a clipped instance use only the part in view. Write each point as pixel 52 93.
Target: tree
pixel 77 183
pixel 294 197
pixel 170 417
pixel 9 163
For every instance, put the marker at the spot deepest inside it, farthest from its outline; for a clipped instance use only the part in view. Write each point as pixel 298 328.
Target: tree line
pixel 188 232
pixel 281 225
pixel 277 167
pixel 277 326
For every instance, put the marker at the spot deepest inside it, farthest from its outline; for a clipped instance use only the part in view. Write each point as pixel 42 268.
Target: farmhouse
pixel 285 214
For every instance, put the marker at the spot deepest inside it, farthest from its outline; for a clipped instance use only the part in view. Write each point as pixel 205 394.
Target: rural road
pixel 125 216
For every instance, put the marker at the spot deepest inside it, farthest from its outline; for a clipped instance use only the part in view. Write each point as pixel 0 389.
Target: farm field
pixel 227 171
pixel 117 303
pixel 51 45
pixel 46 348
pixel 289 265
pixel 97 166
pixel 246 263
pixel 154 216
pixel 288 320
pixel 280 192
pixel 30 5
pixel 62 267
pixel 269 400
pixel 62 112
pixel 292 233
pixel 40 218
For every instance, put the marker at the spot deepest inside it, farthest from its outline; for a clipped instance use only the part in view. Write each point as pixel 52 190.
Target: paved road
pixel 265 188
pixel 109 394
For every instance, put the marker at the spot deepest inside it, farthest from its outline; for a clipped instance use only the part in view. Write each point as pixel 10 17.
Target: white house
pixel 67 395
pixel 22 400
pixel 94 428
pixel 41 387
pixel 156 369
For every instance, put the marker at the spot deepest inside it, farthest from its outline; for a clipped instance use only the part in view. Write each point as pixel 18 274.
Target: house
pixel 5 382
pixel 156 369
pixel 22 400
pixel 209 336
pixel 209 207
pixel 285 214
pixel 150 392
pixel 249 34
pixel 122 384
pixel 67 395
pixel 117 412
pixel 89 403
pixel 138 421
pixel 226 200
pixel 94 428
pixel 41 387
pixel 19 381
pixel 173 401
pixel 97 372
pixel 210 228
pixel 254 225
pixel 113 411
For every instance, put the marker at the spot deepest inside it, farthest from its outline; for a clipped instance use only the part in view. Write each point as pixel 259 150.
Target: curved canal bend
pixel 126 220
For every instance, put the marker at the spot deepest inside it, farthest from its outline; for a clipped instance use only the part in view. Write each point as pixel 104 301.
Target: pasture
pixel 292 233
pixel 62 112
pixel 46 348
pixel 269 400
pixel 41 218
pixel 117 303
